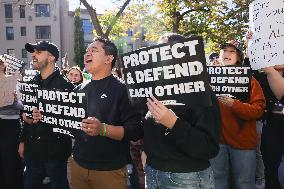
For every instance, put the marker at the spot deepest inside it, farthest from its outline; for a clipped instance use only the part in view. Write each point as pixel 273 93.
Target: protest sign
pixel 28 96
pixel 174 72
pixel 232 81
pixel 62 110
pixel 267 24
pixel 29 74
pixel 13 64
pixel 8 90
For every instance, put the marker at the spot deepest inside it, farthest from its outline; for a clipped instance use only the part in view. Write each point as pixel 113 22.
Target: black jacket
pixel 107 101
pixel 40 142
pixel 189 145
pixel 270 99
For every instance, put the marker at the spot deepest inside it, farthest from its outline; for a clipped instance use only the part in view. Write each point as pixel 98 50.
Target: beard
pixel 40 65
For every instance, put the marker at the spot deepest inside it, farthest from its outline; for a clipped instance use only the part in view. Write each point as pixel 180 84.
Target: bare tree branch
pixel 192 10
pixel 94 18
pixel 179 16
pixel 31 2
pixel 114 20
pixel 28 3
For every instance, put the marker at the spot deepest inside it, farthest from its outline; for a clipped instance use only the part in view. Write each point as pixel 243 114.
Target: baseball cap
pixel 232 43
pixel 235 44
pixel 43 46
pixel 213 56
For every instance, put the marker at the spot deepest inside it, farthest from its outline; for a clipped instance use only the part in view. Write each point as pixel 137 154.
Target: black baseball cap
pixel 43 46
pixel 213 56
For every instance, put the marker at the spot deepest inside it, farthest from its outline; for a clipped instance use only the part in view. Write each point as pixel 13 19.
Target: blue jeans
pixel 242 162
pixel 36 170
pixel 156 179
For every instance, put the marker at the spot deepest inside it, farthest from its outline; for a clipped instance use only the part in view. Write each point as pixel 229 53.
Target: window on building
pixel 42 10
pixel 43 32
pixel 11 52
pixel 23 31
pixel 24 53
pixel 87 26
pixel 9 33
pixel 22 11
pixel 8 11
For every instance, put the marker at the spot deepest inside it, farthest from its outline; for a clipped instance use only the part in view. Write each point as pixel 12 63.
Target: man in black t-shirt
pixel 101 149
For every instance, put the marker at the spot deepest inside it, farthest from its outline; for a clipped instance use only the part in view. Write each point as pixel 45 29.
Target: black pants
pixel 272 149
pixel 11 174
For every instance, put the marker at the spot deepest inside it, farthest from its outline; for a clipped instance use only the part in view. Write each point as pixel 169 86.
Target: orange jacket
pixel 239 121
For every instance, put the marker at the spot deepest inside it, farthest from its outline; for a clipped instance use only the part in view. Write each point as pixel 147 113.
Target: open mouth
pixel 34 61
pixel 88 61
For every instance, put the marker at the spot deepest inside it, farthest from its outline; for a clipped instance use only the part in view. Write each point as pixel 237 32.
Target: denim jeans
pixel 156 179
pixel 242 162
pixel 55 169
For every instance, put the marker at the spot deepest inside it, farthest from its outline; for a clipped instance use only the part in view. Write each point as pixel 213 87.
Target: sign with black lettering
pixel 62 110
pixel 13 64
pixel 175 73
pixel 267 24
pixel 233 81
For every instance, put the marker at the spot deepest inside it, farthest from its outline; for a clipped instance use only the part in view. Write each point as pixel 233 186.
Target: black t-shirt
pixel 107 101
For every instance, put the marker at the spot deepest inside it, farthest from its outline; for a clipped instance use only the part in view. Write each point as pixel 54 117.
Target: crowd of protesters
pixel 181 147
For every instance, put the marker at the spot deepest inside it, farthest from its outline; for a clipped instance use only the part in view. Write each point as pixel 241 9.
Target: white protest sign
pixel 267 25
pixel 13 64
pixel 7 90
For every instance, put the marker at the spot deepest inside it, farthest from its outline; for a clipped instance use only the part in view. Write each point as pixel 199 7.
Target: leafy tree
pixel 79 47
pixel 215 20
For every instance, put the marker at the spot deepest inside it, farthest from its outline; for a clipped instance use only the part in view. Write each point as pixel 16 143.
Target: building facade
pixel 21 23
pixel 49 20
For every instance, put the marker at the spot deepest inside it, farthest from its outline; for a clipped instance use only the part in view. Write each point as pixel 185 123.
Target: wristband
pixel 103 129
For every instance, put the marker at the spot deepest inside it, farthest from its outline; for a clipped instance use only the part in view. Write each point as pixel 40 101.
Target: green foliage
pixel 215 20
pixel 79 47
